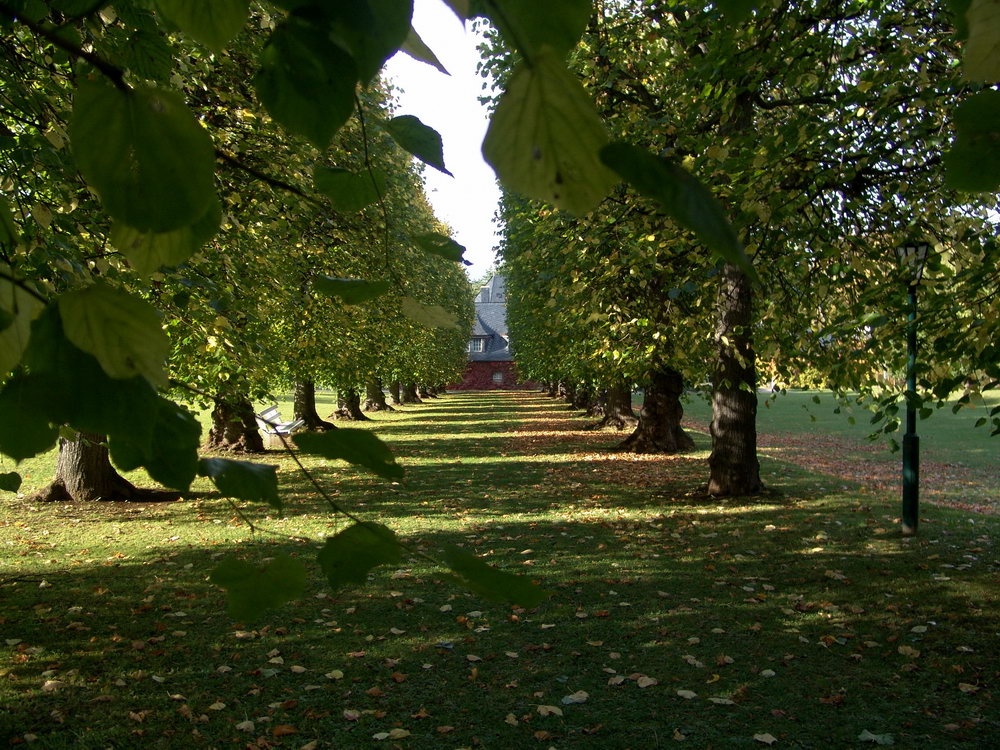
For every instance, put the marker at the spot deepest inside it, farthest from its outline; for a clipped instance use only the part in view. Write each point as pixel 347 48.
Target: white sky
pixel 450 105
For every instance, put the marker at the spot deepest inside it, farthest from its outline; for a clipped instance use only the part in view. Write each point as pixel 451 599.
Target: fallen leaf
pixel 722 701
pixel 283 730
pixel 351 715
pixel 245 726
pixel 965 687
pixel 217 706
pixel 687 694
pixel 510 719
pixel 580 696
pixel 878 739
pixel 550 711
pixel 336 674
pixel 767 739
pixel 645 682
pixel 908 651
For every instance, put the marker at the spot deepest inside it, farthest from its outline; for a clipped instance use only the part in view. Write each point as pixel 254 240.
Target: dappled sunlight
pixel 657 590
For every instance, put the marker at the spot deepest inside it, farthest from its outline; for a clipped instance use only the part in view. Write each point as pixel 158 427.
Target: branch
pixel 274 182
pixel 23 286
pixel 113 72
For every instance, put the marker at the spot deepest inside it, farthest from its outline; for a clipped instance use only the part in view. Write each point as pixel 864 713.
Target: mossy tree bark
pixel 410 394
pixel 733 465
pixel 304 407
pixel 349 406
pixel 617 409
pixel 659 428
pixel 234 428
pixel 374 396
pixel 84 473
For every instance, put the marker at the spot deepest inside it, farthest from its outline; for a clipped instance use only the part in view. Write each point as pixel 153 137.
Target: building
pixel 491 361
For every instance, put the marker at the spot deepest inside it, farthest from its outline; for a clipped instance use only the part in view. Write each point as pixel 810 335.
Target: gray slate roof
pixel 491 322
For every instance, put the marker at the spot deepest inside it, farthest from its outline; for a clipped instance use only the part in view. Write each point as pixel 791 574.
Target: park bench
pixel 271 425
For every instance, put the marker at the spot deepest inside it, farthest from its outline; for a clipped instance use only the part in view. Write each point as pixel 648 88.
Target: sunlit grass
pixel 649 577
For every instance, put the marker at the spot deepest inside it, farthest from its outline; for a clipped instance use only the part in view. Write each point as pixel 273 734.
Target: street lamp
pixel 913 255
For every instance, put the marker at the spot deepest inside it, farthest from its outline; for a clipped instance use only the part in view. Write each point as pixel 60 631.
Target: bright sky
pixel 449 104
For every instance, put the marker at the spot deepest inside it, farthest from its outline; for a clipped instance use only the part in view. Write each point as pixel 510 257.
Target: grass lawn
pixel 801 616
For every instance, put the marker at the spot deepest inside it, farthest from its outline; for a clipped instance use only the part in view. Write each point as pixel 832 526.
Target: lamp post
pixel 914 255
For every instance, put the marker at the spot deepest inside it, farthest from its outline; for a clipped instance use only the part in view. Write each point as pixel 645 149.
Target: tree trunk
pixel 374 397
pixel 583 398
pixel 734 467
pixel 304 407
pixel 349 406
pixel 410 394
pixel 552 389
pixel 617 409
pixel 234 428
pixel 433 391
pixel 422 391
pixel 84 472
pixel 569 392
pixel 394 393
pixel 659 428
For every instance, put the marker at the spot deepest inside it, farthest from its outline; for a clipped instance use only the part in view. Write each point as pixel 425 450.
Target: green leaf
pixel 490 583
pixel 351 555
pixel 459 7
pixel 8 229
pixel 10 481
pixel 25 430
pixel 350 291
pixel 532 26
pixel 21 308
pixel 306 82
pixel 80 392
pixel 982 50
pixel 544 138
pixel 415 47
pixel 243 480
pixel 148 252
pixel 433 316
pixel 122 331
pixel 358 447
pixel 349 191
pixel 973 163
pixel 682 196
pixel 371 30
pixel 254 588
pixel 737 10
pixel 212 23
pixel 145 154
pixel 170 455
pixel 420 140
pixel 147 54
pixel 441 244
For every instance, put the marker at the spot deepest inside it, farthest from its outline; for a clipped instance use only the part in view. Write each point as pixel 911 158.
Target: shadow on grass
pixel 648 577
